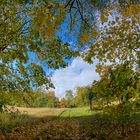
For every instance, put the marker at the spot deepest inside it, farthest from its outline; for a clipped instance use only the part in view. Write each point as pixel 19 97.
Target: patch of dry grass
pixel 41 112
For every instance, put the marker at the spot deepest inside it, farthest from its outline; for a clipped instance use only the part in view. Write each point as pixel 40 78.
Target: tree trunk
pixel 90 103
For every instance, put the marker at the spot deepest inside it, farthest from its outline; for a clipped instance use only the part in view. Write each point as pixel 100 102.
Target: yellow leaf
pixel 85 37
pixel 103 18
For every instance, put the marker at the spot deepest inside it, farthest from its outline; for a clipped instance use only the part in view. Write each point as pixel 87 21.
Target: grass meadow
pixel 64 124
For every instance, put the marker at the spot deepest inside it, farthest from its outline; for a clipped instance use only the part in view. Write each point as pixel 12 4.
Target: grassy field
pixel 41 112
pixel 63 123
pixel 63 112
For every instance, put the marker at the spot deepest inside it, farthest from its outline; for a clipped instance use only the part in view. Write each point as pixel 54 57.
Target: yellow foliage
pixel 94 34
pixel 103 18
pixel 49 31
pixel 85 37
pixel 132 10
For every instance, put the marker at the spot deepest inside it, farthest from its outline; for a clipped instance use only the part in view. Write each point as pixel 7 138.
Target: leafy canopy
pixel 118 38
pixel 29 27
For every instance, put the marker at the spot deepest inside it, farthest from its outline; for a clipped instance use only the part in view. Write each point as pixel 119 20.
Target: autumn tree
pixel 118 38
pixel 119 92
pixel 81 98
pixel 28 28
pixel 91 96
pixel 119 89
pixel 69 97
pixel 52 100
pixel 63 103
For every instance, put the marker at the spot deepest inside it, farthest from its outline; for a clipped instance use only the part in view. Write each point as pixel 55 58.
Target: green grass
pixel 61 112
pixel 78 112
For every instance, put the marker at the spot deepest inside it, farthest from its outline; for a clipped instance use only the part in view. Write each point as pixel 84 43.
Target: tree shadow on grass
pixel 98 126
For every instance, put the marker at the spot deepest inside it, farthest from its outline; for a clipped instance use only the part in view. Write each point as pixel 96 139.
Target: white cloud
pixel 78 73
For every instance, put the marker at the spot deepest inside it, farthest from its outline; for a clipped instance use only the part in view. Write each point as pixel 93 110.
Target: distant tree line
pixel 119 86
pixel 82 97
pixel 30 99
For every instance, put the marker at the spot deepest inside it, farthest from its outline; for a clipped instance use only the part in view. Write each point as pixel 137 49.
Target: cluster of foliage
pixel 30 99
pixel 29 27
pixel 68 100
pixel 83 97
pixel 44 100
pixel 118 94
pixel 118 39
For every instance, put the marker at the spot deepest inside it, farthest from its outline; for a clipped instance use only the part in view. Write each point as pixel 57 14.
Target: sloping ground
pixel 68 124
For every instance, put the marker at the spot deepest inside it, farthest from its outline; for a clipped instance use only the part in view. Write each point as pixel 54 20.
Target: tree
pixel 29 27
pixel 91 96
pixel 63 103
pixel 53 101
pixel 119 83
pixel 119 90
pixel 69 97
pixel 81 98
pixel 118 38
